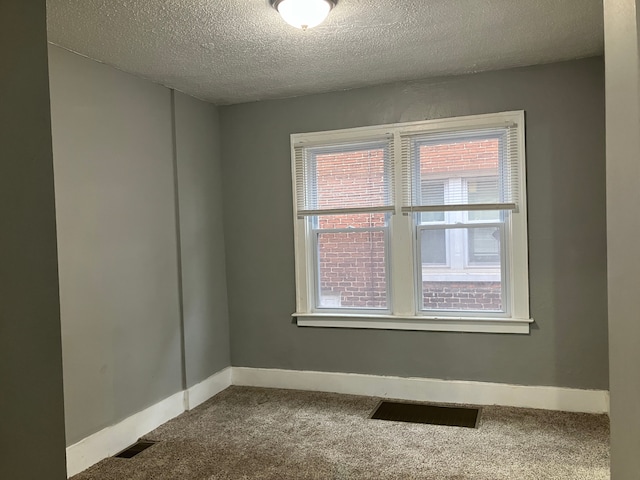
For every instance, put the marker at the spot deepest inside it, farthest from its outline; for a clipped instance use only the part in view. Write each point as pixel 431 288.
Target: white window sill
pixel 396 322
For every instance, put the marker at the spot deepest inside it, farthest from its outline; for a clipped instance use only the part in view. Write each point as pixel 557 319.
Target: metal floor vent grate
pixel 431 414
pixel 136 448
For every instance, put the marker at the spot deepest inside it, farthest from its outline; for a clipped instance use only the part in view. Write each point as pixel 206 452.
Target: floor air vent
pixel 431 414
pixel 136 448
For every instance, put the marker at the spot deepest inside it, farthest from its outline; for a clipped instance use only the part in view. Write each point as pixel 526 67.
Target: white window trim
pixel 405 315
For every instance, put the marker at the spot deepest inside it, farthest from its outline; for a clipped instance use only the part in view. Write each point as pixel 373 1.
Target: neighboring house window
pixel 419 225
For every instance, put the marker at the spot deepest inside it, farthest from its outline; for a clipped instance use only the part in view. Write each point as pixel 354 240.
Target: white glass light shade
pixel 304 13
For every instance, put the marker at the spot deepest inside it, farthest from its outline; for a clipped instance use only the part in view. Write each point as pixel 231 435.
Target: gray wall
pixel 206 326
pixel 32 435
pixel 123 147
pixel 567 346
pixel 113 161
pixel 622 38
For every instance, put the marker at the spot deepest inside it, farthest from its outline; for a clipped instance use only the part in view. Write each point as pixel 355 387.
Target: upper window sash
pixel 430 155
pixel 323 172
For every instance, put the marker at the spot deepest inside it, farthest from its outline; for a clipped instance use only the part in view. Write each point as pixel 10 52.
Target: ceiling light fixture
pixel 303 14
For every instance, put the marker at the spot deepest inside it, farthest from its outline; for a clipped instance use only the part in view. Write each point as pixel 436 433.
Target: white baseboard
pixel 113 439
pixel 203 391
pixel 428 390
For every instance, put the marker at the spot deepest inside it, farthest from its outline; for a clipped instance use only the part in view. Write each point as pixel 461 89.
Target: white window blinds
pixel 479 168
pixel 344 178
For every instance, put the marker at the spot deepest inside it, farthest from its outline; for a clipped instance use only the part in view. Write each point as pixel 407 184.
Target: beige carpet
pixel 257 433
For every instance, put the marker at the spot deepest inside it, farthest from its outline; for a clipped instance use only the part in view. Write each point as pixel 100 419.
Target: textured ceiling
pixel 231 51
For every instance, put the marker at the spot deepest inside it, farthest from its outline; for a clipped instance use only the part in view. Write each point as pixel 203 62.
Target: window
pixel 416 226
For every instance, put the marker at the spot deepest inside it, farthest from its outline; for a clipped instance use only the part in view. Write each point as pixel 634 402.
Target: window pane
pixel 432 194
pixel 352 271
pixel 462 296
pixel 484 245
pixel 449 161
pixel 461 285
pixel 483 190
pixel 433 246
pixel 351 179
